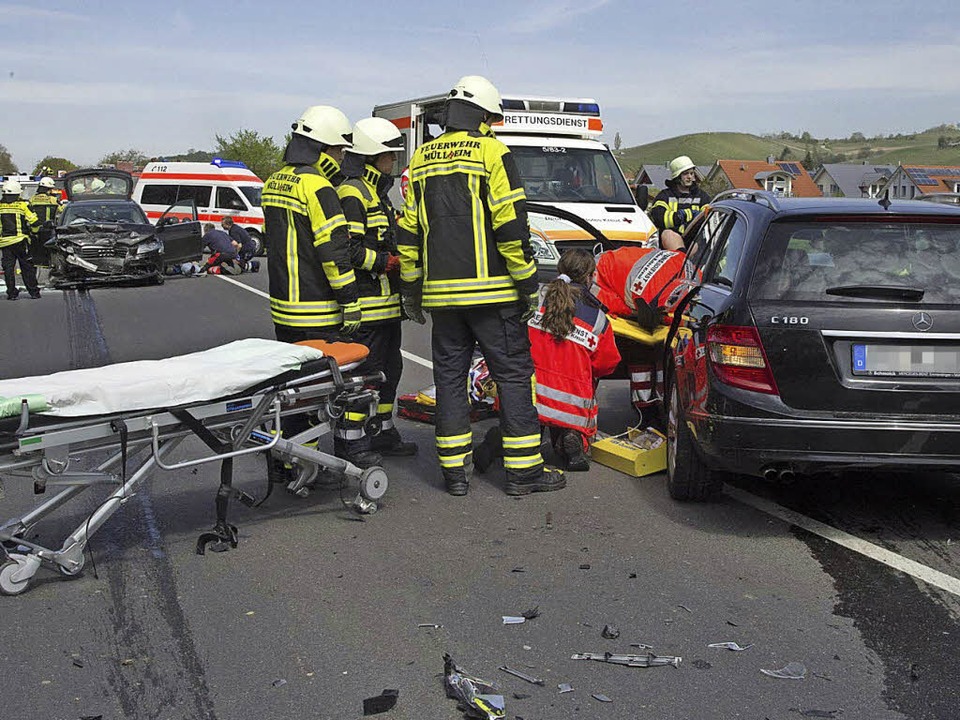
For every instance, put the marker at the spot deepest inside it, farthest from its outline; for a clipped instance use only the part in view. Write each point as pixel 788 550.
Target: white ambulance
pixel 562 162
pixel 219 188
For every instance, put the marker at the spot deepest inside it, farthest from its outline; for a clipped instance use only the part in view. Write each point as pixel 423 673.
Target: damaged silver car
pixel 102 237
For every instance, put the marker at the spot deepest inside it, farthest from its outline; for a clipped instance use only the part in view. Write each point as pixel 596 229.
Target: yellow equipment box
pixel 637 452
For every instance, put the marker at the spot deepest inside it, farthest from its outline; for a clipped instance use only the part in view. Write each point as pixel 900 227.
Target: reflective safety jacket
pixel 372 229
pixel 628 274
pixel 566 369
pixel 464 231
pixel 311 275
pixel 17 222
pixel 673 210
pixel 45 205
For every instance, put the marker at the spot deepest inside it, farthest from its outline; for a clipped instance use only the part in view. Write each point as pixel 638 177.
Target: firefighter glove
pixel 351 318
pixel 393 263
pixel 410 303
pixel 531 303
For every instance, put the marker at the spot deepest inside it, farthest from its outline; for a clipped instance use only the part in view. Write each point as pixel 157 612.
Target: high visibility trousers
pixel 10 255
pixel 383 341
pixel 505 345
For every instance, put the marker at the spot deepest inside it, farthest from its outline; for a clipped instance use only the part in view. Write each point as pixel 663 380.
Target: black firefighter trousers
pixel 505 345
pixel 10 255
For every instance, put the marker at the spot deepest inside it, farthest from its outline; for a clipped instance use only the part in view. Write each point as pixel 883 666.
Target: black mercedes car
pixel 815 334
pixel 102 237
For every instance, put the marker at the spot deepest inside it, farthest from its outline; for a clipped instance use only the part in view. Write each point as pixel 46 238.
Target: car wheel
pixel 688 477
pixel 261 248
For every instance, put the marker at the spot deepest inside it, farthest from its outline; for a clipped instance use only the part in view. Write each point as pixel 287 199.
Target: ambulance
pixel 562 162
pixel 218 188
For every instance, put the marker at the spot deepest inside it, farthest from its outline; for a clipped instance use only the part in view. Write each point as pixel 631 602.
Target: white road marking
pixel 851 542
pixel 408 355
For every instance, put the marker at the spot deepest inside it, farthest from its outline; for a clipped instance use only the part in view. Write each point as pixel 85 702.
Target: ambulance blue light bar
pixel 220 162
pixel 582 108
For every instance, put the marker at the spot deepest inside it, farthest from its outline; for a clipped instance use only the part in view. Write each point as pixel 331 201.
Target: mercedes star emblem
pixel 922 321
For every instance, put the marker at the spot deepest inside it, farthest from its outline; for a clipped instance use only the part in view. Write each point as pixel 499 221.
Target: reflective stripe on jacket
pixel 371 226
pixel 17 222
pixel 672 210
pixel 464 230
pixel 566 369
pixel 629 273
pixel 45 206
pixel 311 275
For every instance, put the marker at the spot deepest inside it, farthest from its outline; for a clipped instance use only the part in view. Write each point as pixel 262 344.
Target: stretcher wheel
pixel 373 483
pixel 9 586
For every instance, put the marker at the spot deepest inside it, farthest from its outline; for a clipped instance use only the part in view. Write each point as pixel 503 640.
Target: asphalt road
pixel 315 610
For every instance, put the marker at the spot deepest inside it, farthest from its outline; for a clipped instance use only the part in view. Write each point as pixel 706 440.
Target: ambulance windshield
pixel 566 174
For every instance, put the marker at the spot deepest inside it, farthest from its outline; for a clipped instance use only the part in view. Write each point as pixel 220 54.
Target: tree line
pixel 260 153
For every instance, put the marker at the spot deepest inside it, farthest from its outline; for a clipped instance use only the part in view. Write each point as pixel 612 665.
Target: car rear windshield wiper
pixel 892 292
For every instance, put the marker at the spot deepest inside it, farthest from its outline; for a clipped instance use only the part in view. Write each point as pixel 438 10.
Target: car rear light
pixel 738 359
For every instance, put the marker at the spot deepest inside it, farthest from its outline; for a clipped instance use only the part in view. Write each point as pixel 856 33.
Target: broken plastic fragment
pixel 279 683
pixel 601 697
pixel 565 688
pixel 521 696
pixel 513 619
pixel 531 613
pixel 523 676
pixel 648 660
pixel 475 695
pixel 730 646
pixel 792 671
pixel 380 703
pixel 642 646
pixel 430 625
pixel 585 566
pixel 610 632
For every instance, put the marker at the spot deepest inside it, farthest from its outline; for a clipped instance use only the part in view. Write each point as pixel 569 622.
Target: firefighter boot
pixel 457 480
pixel 489 450
pixel 570 448
pixel 551 479
pixel 389 444
pixel 357 452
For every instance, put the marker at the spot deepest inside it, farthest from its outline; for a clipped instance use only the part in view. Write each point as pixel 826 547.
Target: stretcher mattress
pixel 628 329
pixel 148 384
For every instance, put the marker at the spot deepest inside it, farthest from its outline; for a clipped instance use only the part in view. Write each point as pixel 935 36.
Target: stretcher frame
pixel 231 427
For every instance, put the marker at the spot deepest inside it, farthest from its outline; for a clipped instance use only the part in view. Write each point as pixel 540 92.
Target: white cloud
pixel 11 13
pixel 548 15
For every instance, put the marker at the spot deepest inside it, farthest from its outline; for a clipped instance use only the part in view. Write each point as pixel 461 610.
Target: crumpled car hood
pixel 126 234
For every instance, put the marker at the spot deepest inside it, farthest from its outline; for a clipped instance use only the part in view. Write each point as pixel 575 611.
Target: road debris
pixel 523 676
pixel 513 619
pixel 279 683
pixel 610 632
pixel 380 703
pixel 684 607
pixel 730 646
pixel 642 646
pixel 434 626
pixel 565 688
pixel 532 613
pixel 792 671
pixel 601 697
pixel 521 696
pixel 585 566
pixel 648 660
pixel 476 697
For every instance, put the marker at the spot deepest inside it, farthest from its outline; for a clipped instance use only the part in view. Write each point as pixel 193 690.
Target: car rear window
pixel 799 260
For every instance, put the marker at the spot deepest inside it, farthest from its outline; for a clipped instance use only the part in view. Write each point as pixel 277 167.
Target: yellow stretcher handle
pixel 628 329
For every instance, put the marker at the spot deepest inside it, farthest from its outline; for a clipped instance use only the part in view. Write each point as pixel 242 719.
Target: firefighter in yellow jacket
pixel 17 223
pixel 465 256
pixel 368 168
pixel 313 290
pixel 45 203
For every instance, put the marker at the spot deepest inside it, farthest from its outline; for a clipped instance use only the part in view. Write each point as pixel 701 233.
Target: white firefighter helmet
pixel 680 165
pixel 374 135
pixel 11 187
pixel 326 125
pixel 47 182
pixel 478 91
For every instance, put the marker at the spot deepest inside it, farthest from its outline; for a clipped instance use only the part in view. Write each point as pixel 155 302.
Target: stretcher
pixel 135 414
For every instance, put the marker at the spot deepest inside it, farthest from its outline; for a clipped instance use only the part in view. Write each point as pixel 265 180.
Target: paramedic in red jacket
pixel 639 283
pixel 572 345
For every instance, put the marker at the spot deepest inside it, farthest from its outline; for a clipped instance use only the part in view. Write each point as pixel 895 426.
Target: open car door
pixel 179 230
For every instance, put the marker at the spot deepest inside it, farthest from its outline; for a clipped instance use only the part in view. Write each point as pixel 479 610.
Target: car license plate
pixel 906 360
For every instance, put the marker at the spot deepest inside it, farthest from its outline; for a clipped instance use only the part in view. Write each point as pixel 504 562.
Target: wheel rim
pixel 672 419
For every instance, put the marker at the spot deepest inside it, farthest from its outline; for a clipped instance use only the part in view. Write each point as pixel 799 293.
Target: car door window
pixel 701 248
pixel 722 269
pixel 229 199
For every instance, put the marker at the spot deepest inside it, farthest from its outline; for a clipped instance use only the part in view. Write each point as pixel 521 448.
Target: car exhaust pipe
pixel 771 474
pixel 787 477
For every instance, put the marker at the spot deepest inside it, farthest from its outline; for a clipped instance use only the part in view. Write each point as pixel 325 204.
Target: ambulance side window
pixel 165 195
pixel 200 194
pixel 229 199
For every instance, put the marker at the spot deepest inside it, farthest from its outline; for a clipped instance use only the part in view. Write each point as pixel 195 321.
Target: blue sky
pixel 80 80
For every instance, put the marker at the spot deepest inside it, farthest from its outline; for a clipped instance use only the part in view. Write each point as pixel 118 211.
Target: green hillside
pixel 922 148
